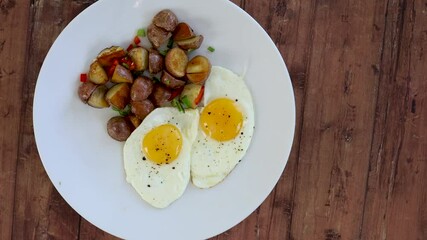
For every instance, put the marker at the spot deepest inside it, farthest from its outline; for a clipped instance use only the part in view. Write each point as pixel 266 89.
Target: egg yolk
pixel 221 119
pixel 162 144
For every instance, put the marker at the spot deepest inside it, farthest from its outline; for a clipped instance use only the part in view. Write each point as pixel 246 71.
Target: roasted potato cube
pixel 191 92
pixel 171 82
pixel 142 108
pixel 160 95
pixel 97 99
pixel 190 43
pixel 198 69
pixel 97 73
pixel 155 62
pixel 141 88
pixel 85 90
pixel 119 128
pixel 176 61
pixel 139 56
pixel 166 19
pixel 106 56
pixel 182 31
pixel 119 95
pixel 157 36
pixel 134 120
pixel 122 75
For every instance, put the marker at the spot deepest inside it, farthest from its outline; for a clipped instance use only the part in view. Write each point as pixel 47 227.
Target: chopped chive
pixel 163 52
pixel 125 65
pixel 170 43
pixel 190 50
pixel 211 49
pixel 176 103
pixel 180 107
pixel 167 81
pixel 141 32
pixel 155 79
pixel 123 112
pixel 137 73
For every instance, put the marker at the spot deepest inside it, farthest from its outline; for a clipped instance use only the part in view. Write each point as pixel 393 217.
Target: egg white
pixel 160 185
pixel 211 160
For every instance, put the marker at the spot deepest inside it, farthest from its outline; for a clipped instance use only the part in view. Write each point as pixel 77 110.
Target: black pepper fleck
pixel 148 185
pixel 143 159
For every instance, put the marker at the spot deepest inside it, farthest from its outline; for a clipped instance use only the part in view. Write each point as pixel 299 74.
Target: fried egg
pixel 225 128
pixel 157 155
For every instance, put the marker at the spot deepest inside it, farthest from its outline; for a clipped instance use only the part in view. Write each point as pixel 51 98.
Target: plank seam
pixel 396 42
pixel 310 53
pixel 30 30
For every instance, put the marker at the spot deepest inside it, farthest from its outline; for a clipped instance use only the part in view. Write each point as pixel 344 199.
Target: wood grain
pixel 358 166
pixel 13 50
pixel 40 212
pixel 396 196
pixel 338 118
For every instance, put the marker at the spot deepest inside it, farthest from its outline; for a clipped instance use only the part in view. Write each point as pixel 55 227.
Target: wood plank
pixel 40 212
pixel 89 232
pixel 396 206
pixel 338 119
pixel 290 25
pixel 13 46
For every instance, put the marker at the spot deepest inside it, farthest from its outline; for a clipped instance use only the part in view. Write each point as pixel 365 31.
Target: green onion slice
pixel 141 32
pixel 186 101
pixel 211 49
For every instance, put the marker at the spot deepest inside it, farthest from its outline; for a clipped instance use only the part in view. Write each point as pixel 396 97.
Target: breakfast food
pixel 225 129
pixel 136 80
pixel 157 155
pixel 180 118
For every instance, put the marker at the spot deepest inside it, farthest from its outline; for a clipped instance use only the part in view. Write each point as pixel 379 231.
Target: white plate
pixel 85 164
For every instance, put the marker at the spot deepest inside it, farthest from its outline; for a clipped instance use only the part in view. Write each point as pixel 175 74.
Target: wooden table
pixel 358 167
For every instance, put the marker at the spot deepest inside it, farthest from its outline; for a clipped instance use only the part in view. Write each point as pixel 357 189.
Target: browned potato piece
pixel 139 56
pixel 166 19
pixel 97 73
pixel 176 61
pixel 198 78
pixel 155 62
pixel 121 75
pixel 85 90
pixel 182 31
pixel 141 89
pixel 97 99
pixel 141 108
pixel 191 91
pixel 157 36
pixel 119 95
pixel 160 95
pixel 191 43
pixel 134 120
pixel 106 56
pixel 198 69
pixel 119 128
pixel 171 82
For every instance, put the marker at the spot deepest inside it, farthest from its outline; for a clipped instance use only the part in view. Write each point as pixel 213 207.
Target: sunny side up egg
pixel 225 128
pixel 157 155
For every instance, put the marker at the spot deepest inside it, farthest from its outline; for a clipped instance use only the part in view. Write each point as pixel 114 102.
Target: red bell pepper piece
pixel 200 96
pixel 83 77
pixel 136 40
